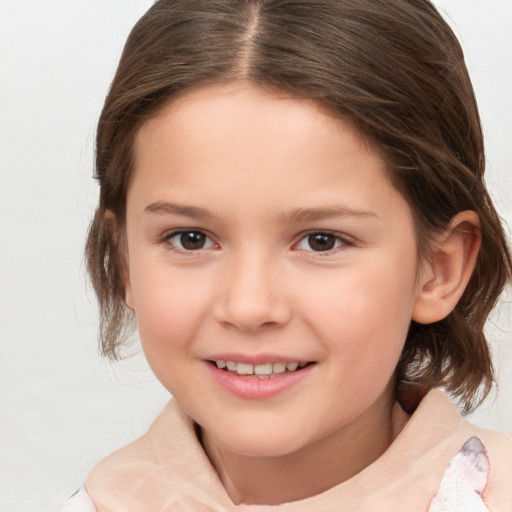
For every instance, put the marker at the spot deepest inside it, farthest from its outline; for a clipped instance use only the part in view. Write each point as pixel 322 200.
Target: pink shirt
pixel 438 462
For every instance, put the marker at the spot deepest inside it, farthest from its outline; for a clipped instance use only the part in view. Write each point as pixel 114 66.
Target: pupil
pixel 321 242
pixel 192 240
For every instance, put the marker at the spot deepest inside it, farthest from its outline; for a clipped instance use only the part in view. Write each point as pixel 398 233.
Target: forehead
pixel 225 143
pixel 255 111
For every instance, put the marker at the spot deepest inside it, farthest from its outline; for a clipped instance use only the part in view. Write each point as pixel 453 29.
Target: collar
pixel 167 469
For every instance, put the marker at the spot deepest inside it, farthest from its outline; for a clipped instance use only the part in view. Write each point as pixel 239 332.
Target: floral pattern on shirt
pixel 464 481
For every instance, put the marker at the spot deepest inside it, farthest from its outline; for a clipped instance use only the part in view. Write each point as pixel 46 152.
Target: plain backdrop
pixel 62 407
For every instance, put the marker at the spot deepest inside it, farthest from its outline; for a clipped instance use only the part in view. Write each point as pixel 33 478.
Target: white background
pixel 62 407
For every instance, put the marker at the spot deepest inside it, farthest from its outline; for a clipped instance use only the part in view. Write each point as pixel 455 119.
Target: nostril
pixel 256 326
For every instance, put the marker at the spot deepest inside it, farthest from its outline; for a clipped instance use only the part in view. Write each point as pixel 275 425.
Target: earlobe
pixel 122 255
pixel 445 277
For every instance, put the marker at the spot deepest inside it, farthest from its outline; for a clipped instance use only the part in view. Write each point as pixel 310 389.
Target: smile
pixel 258 381
pixel 262 371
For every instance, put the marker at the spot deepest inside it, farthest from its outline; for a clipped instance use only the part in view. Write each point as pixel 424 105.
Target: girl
pixel 292 208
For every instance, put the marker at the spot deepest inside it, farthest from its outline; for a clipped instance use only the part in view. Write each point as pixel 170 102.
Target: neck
pixel 311 470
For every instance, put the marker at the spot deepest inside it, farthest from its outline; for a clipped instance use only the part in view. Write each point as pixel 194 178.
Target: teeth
pixel 278 367
pixel 244 369
pixel 261 370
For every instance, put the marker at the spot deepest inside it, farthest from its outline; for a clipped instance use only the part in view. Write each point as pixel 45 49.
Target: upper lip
pixel 257 359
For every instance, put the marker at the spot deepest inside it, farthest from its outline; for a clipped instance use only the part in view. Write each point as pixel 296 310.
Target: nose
pixel 252 295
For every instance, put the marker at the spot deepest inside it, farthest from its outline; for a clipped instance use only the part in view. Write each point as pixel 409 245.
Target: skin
pixel 257 173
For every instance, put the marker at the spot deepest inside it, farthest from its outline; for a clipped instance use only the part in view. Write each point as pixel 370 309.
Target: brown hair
pixel 392 66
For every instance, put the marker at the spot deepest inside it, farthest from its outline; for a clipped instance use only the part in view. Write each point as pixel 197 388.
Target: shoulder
pixel 475 463
pixel 144 454
pixel 478 477
pixel 437 413
pixel 78 502
pixel 165 466
pixel 488 455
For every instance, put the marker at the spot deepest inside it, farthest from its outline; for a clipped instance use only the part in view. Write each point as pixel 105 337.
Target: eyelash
pixel 169 236
pixel 340 241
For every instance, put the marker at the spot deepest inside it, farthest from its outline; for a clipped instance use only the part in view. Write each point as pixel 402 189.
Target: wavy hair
pixel 395 68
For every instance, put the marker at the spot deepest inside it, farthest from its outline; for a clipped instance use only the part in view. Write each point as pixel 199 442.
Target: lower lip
pixel 255 388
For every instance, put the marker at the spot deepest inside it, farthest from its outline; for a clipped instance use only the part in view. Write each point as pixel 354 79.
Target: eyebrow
pixel 165 208
pixel 330 212
pixel 296 215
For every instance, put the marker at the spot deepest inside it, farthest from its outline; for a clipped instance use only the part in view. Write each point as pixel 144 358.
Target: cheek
pixel 168 309
pixel 166 324
pixel 363 315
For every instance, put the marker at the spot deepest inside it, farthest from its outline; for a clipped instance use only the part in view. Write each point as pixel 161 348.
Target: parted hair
pixel 395 68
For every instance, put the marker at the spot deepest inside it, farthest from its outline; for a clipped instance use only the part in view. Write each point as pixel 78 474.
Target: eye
pixel 321 241
pixel 189 240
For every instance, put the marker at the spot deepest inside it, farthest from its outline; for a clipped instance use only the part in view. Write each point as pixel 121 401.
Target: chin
pixel 252 442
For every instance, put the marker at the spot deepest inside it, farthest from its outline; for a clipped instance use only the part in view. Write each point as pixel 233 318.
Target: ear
pixel 445 277
pixel 117 239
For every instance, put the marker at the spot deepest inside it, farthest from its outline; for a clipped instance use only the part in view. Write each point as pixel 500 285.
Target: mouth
pixel 258 378
pixel 268 370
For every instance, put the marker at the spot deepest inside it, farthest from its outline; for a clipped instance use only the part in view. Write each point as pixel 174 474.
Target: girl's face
pixel 264 236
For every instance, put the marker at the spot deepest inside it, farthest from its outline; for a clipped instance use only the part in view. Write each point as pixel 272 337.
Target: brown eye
pixel 190 240
pixel 321 242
